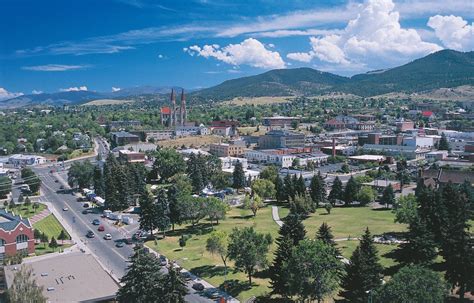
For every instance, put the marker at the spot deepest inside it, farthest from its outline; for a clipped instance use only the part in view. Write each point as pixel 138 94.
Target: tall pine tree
pixel 238 176
pixel 351 190
pixel 364 272
pixel 290 234
pixel 336 191
pixel 324 234
pixel 318 190
pixel 281 195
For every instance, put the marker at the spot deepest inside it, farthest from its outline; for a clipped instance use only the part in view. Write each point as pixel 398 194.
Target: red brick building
pixel 16 235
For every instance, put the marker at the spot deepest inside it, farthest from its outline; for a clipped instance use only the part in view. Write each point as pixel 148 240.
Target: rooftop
pixel 9 221
pixel 123 134
pixel 71 277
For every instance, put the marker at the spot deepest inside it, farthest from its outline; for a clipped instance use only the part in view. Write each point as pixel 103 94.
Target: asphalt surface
pixel 115 259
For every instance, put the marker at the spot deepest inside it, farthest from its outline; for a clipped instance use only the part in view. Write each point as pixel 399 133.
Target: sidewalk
pixel 40 216
pixel 276 216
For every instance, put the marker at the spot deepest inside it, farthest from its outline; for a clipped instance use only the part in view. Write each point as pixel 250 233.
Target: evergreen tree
pixel 420 246
pixel 351 190
pixel 112 197
pixel 289 187
pixel 363 273
pixel 148 213
pixel 299 185
pixel 238 176
pixel 143 281
pixel 63 236
pixel 456 244
pixel 53 243
pixel 318 189
pixel 162 212
pixel 443 143
pixel 98 181
pixel 280 191
pixel 336 191
pixel 195 172
pixel 289 235
pixel 388 196
pixel 168 162
pixel 324 234
pixel 174 287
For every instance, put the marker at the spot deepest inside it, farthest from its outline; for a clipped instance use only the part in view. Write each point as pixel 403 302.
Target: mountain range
pixel 443 69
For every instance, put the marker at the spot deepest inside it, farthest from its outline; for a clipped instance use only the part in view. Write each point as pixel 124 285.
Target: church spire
pixel 173 105
pixel 183 108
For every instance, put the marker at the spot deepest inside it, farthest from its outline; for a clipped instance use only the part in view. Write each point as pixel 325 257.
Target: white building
pixel 24 160
pixel 437 155
pixel 417 141
pixel 191 130
pixel 230 162
pixel 266 156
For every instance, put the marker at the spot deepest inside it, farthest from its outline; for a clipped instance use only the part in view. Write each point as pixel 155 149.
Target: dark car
pixel 96 222
pixel 198 286
pixel 186 276
pixel 163 261
pixel 119 244
pixel 90 234
pixel 61 187
pixel 101 228
pixel 85 212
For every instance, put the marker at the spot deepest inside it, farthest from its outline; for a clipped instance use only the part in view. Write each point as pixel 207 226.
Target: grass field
pixel 107 102
pixel 351 221
pixel 27 212
pixel 195 141
pixel 259 100
pixel 50 226
pixel 343 221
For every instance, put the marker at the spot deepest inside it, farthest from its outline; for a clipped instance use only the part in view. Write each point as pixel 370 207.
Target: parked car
pixel 61 187
pixel 101 228
pixel 186 276
pixel 90 234
pixel 65 208
pixel 86 205
pixel 85 212
pixel 119 244
pixel 96 222
pixel 163 261
pixel 108 237
pixel 198 286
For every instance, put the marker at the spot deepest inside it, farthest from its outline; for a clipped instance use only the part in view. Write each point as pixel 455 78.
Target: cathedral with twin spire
pixel 173 116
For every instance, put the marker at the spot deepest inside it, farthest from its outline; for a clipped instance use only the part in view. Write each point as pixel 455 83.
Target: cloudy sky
pixel 51 46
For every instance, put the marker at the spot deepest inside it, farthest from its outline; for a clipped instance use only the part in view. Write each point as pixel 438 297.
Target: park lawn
pixel 27 212
pixel 50 226
pixel 195 258
pixel 351 222
pixel 42 249
pixel 347 248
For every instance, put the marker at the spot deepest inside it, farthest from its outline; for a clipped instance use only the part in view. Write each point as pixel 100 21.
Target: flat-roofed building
pixel 131 156
pixel 281 139
pixel 368 158
pixel 122 138
pixel 235 148
pixel 280 121
pixel 69 277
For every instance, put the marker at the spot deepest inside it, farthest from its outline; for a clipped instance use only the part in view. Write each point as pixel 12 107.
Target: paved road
pixel 113 258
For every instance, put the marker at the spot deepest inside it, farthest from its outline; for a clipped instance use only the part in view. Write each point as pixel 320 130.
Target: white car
pixel 65 208
pixel 108 237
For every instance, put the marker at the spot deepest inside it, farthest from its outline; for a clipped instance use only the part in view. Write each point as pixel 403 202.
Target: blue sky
pixel 47 46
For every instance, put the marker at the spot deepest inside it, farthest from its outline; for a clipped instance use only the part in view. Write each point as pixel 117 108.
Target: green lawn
pixel 351 221
pixel 343 221
pixel 348 247
pixel 27 212
pixel 50 226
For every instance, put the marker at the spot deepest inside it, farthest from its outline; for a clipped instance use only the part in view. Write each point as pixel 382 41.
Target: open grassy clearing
pixel 239 101
pixel 343 221
pixel 195 141
pixel 107 102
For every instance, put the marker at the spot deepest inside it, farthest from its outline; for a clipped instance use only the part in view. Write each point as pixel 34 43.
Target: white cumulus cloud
pixel 249 52
pixel 115 89
pixel 374 39
pixel 453 31
pixel 5 95
pixel 36 92
pixel 74 89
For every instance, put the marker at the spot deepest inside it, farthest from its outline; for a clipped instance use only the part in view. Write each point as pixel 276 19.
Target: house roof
pixel 166 110
pixel 334 122
pixel 427 113
pixel 9 221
